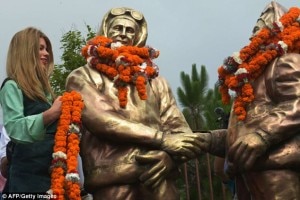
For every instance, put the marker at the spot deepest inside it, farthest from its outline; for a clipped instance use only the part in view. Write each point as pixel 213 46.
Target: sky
pixel 185 32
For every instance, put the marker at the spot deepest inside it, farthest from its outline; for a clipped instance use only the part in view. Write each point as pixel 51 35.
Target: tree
pixel 199 105
pixel 192 96
pixel 216 113
pixel 72 41
pixel 199 102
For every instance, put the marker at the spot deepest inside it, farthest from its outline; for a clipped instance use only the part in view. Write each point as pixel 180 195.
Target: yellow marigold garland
pixel 64 174
pixel 123 64
pixel 239 70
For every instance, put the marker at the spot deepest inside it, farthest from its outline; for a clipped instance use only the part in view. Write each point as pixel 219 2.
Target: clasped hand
pixel 185 145
pixel 182 145
pixel 159 166
pixel 245 151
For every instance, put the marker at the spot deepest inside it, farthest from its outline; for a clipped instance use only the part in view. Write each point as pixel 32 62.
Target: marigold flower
pixel 254 58
pixel 122 64
pixel 66 148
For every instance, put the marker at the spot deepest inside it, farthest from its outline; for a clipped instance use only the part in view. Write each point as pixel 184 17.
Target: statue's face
pixel 123 30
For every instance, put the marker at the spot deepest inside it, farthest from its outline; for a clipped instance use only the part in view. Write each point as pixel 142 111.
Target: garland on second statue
pixel 244 66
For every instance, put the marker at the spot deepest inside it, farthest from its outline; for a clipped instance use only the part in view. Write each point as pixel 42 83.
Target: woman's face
pixel 43 53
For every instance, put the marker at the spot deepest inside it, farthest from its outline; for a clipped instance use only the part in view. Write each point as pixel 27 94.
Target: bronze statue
pixel 262 142
pixel 134 135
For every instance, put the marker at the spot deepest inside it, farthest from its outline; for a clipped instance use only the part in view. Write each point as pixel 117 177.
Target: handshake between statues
pixel 174 150
pixel 179 148
pixel 186 146
pixel 241 154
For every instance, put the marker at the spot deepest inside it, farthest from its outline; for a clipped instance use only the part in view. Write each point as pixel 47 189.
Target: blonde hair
pixel 23 63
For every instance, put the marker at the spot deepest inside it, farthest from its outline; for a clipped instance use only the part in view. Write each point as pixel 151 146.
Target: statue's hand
pixel 183 144
pixel 204 139
pixel 160 164
pixel 245 151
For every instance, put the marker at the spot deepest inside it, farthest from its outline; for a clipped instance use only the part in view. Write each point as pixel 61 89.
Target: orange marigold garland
pixel 243 67
pixel 64 174
pixel 123 64
pixel 72 176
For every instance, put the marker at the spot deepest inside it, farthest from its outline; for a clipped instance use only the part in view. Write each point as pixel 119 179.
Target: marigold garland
pixel 123 64
pixel 240 69
pixel 64 175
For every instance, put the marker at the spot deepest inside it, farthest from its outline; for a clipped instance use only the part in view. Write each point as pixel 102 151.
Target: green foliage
pixel 192 95
pixel 213 101
pixel 198 101
pixel 199 104
pixel 71 58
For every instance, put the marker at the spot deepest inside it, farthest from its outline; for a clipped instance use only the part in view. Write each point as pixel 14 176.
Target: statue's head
pixel 272 13
pixel 125 25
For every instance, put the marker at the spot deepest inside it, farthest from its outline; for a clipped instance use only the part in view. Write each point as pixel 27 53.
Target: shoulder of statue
pixel 84 74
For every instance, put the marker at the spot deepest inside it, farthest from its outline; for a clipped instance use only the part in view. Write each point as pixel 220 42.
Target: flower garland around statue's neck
pixel 245 66
pixel 64 175
pixel 123 64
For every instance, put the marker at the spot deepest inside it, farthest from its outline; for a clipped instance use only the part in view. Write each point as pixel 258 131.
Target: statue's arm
pixel 283 86
pixel 101 118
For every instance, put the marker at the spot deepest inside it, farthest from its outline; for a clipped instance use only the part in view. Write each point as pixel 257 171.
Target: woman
pixel 30 112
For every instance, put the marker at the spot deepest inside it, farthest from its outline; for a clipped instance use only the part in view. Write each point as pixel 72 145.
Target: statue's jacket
pixel 274 115
pixel 113 135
